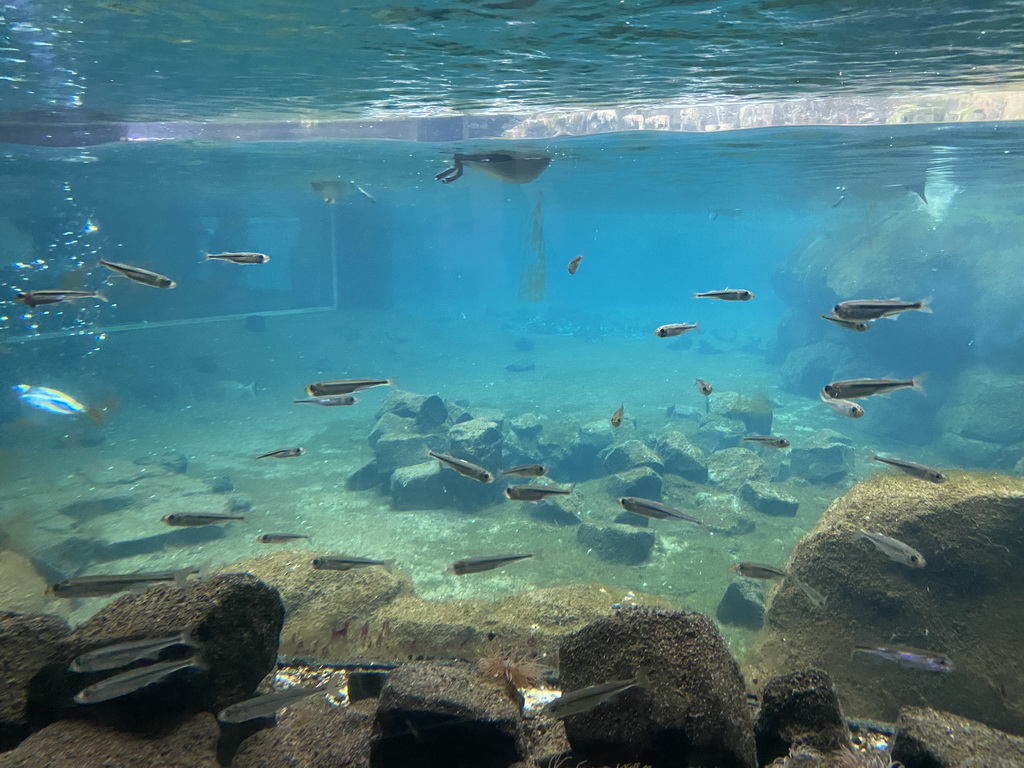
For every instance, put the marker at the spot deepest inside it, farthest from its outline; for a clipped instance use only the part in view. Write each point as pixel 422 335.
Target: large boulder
pixel 623 544
pixel 985 407
pixel 421 486
pixel 27 644
pixel 733 467
pixel 641 481
pixel 968 530
pixel 926 738
pixel 800 708
pixel 236 617
pixel 827 457
pixel 693 710
pixel 479 441
pixel 582 457
pixel 428 411
pixel 681 457
pixel 427 709
pixel 742 605
pixel 630 455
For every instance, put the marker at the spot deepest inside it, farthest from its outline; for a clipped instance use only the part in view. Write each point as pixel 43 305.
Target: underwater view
pixel 510 384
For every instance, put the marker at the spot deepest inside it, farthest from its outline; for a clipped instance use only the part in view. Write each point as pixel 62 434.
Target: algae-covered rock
pixel 624 544
pixel 827 457
pixel 27 644
pixel 733 467
pixel 640 481
pixel 716 434
pixel 754 412
pixel 420 486
pixel 630 455
pixel 800 708
pixel 768 499
pixel 692 713
pixel 926 738
pixel 582 457
pixel 682 457
pixel 742 605
pixel 428 411
pixel 964 603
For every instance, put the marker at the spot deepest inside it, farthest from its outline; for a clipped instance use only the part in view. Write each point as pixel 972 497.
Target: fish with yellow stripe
pixel 55 401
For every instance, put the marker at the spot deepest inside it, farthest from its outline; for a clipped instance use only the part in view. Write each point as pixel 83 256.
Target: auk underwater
pixel 511 383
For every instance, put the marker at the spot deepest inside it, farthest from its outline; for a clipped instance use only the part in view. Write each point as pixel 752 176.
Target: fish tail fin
pixel 917 383
pixel 254 388
pixel 696 327
pixel 99 295
pixel 643 678
pixel 926 305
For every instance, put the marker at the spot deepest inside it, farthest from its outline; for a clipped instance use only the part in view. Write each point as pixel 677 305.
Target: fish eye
pixel 914 558
pixel 316 562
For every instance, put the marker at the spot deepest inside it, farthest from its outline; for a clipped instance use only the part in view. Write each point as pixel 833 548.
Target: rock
pixel 968 529
pixel 693 712
pixel 478 441
pixel 582 456
pixel 825 458
pixel 629 455
pixel 631 518
pixel 420 486
pixel 396 450
pixel 428 411
pixel 237 617
pixel 315 734
pixel 391 423
pixel 174 462
pixel 458 411
pixel 189 743
pixel 365 684
pixel 768 499
pixel 800 708
pixel 994 418
pixel 926 738
pixel 23 589
pixel 560 511
pixel 742 605
pixel 365 478
pixel 754 412
pixel 717 434
pixel 527 426
pixel 642 481
pixel 681 457
pixel 807 369
pixel 734 467
pixel 28 642
pixel 617 543
pixel 428 709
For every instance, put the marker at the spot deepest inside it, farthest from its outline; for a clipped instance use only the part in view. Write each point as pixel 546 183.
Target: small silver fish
pixel 463 467
pixel 343 386
pixel 842 407
pixel 194 519
pixel 574 263
pixel 768 441
pixel 855 389
pixel 873 309
pixel 726 295
pixel 279 538
pixel 265 706
pixel 913 469
pixel 480 564
pixel 915 658
pixel 133 680
pixel 758 571
pixel 675 329
pixel 331 400
pixel 42 298
pixel 617 416
pixel 655 510
pixel 139 275
pixel 346 563
pixel 241 257
pixel 817 599
pixel 586 699
pixel 703 387
pixel 894 549
pixel 850 325
pixel 729 212
pixel 527 470
pixel 533 492
pixel 123 654
pixel 283 453
pixel 111 584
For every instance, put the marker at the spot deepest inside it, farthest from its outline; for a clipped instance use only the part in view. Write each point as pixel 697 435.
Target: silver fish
pixel 194 519
pixel 842 407
pixel 41 298
pixel 585 699
pixel 655 510
pixel 242 257
pixel 850 325
pixel 463 467
pixel 343 386
pixel 894 549
pixel 133 680
pixel 574 263
pixel 123 654
pixel 533 492
pixel 930 661
pixel 914 469
pixel 265 706
pixel 675 329
pixel 331 400
pixel 726 295
pixel 480 564
pixel 139 275
pixel 527 470
pixel 817 599
pixel 854 389
pixel 283 453
pixel 111 584
pixel 768 441
pixel 873 309
pixel 279 538
pixel 758 571
pixel 346 563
